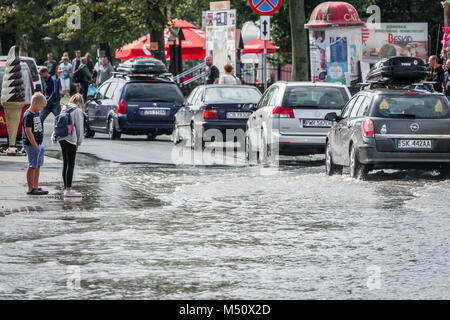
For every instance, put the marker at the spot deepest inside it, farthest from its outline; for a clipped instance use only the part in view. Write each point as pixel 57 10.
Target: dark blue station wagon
pixel 135 106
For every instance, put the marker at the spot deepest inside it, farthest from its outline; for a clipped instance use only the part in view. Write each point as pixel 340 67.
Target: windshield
pixel 153 92
pixel 232 94
pixel 315 97
pixel 26 80
pixel 411 106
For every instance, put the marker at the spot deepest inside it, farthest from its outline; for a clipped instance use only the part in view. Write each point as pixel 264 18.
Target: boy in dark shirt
pixel 32 138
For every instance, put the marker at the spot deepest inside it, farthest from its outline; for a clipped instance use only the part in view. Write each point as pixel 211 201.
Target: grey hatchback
pixel 390 128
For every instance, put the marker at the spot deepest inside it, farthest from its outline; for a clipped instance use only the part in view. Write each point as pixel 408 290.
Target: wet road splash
pixel 152 232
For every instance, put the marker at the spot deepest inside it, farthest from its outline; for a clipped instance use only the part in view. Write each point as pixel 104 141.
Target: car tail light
pixel 209 114
pixel 122 109
pixel 368 129
pixel 282 112
pixel 411 93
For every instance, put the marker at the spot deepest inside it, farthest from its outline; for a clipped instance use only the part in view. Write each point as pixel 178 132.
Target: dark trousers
pixel 84 89
pixel 69 152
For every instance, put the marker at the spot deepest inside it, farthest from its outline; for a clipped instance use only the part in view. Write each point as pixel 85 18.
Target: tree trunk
pixel 103 47
pixel 158 36
pixel 8 40
pixel 299 38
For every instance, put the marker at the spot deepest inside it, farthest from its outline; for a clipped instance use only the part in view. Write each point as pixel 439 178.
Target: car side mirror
pixel 332 116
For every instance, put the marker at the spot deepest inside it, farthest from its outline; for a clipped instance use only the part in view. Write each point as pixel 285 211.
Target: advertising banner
pixel 395 39
pixel 221 37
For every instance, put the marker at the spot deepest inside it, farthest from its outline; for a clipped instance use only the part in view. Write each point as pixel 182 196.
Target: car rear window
pixel 26 80
pixel 417 106
pixel 157 92
pixel 232 94
pixel 315 97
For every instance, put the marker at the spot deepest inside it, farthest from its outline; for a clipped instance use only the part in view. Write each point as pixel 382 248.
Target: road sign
pixel 265 7
pixel 264 24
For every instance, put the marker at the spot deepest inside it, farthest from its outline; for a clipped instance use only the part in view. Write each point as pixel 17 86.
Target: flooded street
pixel 167 232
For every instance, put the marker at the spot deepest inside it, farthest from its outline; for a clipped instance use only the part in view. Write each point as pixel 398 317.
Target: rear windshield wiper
pixel 402 115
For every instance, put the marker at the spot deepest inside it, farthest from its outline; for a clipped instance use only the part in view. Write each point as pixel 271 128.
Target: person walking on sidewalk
pixel 85 77
pixel 228 77
pixel 76 62
pixel 32 138
pixel 65 72
pixel 51 92
pixel 69 144
pixel 104 71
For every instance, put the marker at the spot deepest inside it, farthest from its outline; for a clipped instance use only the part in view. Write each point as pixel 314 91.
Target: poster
pixel 221 37
pixel 335 54
pixel 395 39
pixel 317 45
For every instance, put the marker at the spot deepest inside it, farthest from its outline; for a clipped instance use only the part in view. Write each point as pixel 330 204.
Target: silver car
pixel 289 119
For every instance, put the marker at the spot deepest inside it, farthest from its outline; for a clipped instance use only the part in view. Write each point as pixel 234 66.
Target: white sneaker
pixel 72 193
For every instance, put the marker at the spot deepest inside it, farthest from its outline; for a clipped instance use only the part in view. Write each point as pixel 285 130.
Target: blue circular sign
pixel 265 7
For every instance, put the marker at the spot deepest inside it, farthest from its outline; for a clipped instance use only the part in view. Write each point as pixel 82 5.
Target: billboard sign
pixel 395 39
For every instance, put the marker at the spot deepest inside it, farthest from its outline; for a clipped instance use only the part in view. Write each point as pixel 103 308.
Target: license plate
pixel 238 115
pixel 414 144
pixel 155 112
pixel 317 123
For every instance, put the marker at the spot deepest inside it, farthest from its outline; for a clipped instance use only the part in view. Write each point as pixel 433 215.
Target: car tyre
pixel 88 133
pixel 197 143
pixel 176 136
pixel 250 156
pixel 357 169
pixel 445 172
pixel 265 152
pixel 330 167
pixel 113 133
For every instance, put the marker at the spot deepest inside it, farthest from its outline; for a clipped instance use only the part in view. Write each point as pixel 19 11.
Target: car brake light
pixel 282 112
pixel 411 93
pixel 209 114
pixel 368 129
pixel 122 109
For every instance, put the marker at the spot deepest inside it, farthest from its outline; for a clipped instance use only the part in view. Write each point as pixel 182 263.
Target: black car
pixel 135 105
pixel 390 128
pixel 219 107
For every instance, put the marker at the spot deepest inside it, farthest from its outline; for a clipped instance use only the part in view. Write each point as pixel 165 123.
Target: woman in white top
pixel 228 77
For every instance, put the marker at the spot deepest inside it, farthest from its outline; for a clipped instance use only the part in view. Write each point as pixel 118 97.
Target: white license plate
pixel 317 123
pixel 414 144
pixel 155 112
pixel 238 115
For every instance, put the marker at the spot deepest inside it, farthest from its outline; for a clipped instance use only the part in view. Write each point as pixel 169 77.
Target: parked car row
pixel 388 126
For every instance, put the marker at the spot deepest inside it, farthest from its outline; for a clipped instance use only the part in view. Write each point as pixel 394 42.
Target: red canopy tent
pixel 192 46
pixel 257 46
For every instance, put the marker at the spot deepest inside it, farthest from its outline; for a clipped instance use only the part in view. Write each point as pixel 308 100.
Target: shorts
pixel 65 84
pixel 35 156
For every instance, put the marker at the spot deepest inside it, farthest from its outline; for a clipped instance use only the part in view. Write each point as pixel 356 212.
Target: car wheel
pixel 88 133
pixel 197 143
pixel 330 167
pixel 445 171
pixel 265 152
pixel 175 136
pixel 113 133
pixel 151 136
pixel 357 169
pixel 249 154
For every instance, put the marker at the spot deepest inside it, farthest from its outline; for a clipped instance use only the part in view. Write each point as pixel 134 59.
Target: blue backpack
pixel 63 124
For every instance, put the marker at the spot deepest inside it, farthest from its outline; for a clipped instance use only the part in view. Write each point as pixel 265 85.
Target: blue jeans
pixel 50 108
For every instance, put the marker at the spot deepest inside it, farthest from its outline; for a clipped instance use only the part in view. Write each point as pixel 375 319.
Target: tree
pixel 299 40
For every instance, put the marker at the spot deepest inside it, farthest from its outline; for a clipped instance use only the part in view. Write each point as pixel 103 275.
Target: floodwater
pixel 155 232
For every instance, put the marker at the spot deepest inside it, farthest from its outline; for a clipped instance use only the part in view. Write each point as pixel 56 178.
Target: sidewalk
pixel 13 183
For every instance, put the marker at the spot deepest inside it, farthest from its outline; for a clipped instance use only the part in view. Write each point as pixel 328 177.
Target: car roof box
pixel 142 65
pixel 398 70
